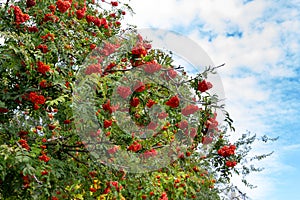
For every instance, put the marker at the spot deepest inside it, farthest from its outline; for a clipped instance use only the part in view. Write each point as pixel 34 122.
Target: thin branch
pixel 19 145
pixel 208 69
pixel 76 158
pixel 117 70
pixel 56 138
pixel 74 150
pixel 157 147
pixel 38 181
pixel 73 146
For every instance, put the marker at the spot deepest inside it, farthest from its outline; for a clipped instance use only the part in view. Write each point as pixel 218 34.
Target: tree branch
pixel 75 158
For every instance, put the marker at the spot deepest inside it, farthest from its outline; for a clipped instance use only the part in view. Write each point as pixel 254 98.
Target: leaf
pixel 58 100
pixel 28 170
pixel 2 104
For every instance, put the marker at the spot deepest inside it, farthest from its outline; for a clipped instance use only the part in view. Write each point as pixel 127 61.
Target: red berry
pixel 67 121
pixel 114 3
pixel 44 172
pixel 92 46
pixel 51 127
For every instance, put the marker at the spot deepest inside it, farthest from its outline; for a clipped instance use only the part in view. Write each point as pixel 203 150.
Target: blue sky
pixel 259 41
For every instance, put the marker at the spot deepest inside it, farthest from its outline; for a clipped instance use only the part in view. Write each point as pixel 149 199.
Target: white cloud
pixel 247 89
pixel 293 147
pixel 267 182
pixel 164 14
pixel 282 71
pixel 258 50
pixel 215 13
pixel 260 47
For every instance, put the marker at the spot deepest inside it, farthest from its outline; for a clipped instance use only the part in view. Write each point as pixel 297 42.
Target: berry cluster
pixel 97 21
pixel 135 146
pixel 139 50
pixel 110 66
pixel 20 17
pixel 230 163
pixel 107 123
pixel 94 68
pixel 135 102
pixel 149 153
pixel 36 99
pixel 108 49
pixel 44 158
pixel 211 123
pixel 162 115
pixel 227 151
pixel 3 110
pixel 206 140
pixel 45 172
pixel 203 86
pixel 81 12
pixel 124 91
pixel 111 184
pixel 189 109
pixel 150 103
pixel 52 8
pixel 139 86
pixel 63 6
pixel 50 17
pixel 163 196
pixel 43 48
pixel 108 107
pixel 113 150
pixel 24 144
pixel 171 73
pixel 92 46
pixel 48 35
pixel 173 102
pixel 114 3
pixel 32 29
pixel 152 67
pixel 26 181
pixel 42 67
pixel 30 3
pixel 43 84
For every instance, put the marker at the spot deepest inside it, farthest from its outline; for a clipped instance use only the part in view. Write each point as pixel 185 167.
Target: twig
pixel 76 158
pixel 56 138
pixel 156 147
pixel 39 182
pixel 72 150
pixel 208 69
pixel 73 146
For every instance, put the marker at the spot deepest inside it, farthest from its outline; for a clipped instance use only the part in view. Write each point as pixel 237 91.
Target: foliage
pixel 55 88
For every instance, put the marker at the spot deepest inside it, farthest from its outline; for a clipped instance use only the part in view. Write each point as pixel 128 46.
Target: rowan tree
pixel 89 110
